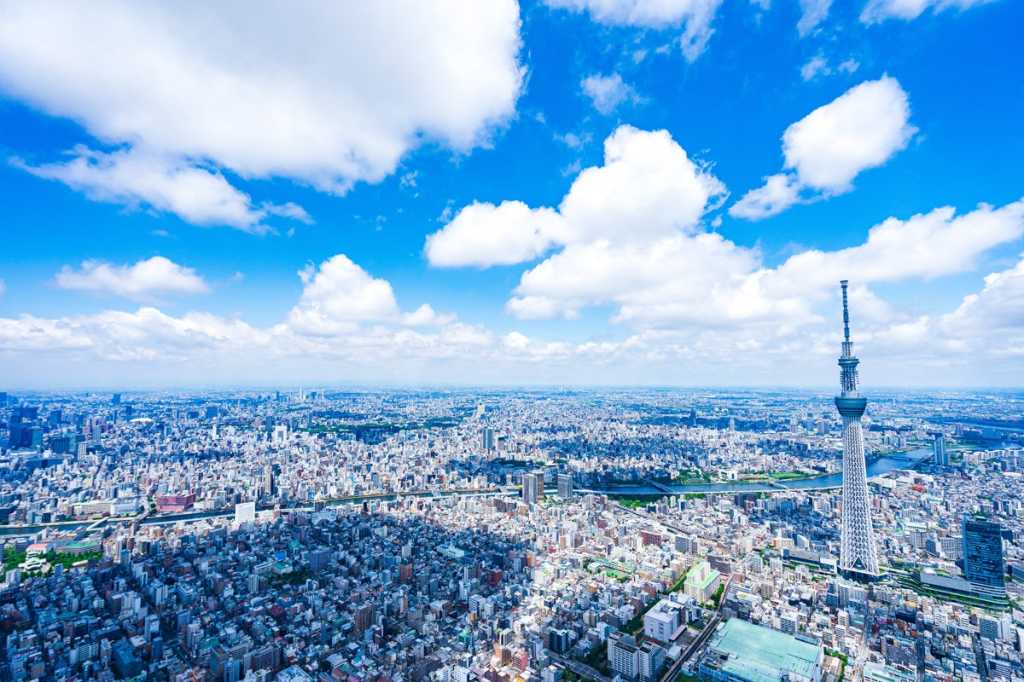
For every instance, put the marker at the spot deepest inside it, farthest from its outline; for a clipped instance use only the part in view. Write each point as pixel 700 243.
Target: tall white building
pixel 857 556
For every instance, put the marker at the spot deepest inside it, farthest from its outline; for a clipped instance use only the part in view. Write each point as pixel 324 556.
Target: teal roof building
pixel 740 651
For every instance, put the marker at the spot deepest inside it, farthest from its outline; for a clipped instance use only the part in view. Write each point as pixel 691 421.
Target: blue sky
pixel 230 198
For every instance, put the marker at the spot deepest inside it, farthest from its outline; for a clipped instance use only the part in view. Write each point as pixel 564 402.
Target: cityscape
pixel 514 535
pixel 512 341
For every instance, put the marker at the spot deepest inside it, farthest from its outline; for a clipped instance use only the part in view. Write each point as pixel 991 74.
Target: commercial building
pixel 743 652
pixel 702 581
pixel 533 487
pixel 939 454
pixel 175 503
pixel 565 486
pixel 983 553
pixel 664 620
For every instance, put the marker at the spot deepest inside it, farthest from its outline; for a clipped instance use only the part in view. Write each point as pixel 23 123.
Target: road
pixel 581 669
pixel 148 518
pixel 702 639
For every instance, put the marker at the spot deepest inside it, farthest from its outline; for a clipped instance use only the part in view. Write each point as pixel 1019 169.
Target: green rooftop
pixel 701 584
pixel 759 654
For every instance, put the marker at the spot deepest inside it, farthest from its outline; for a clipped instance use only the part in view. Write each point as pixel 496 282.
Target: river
pixel 877 467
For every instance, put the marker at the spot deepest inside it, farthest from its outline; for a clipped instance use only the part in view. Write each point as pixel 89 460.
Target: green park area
pixel 14 558
pixel 636 502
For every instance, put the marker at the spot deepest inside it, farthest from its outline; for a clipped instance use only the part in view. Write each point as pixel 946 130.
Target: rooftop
pixel 760 654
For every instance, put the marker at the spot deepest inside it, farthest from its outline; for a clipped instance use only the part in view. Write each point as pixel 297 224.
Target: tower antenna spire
pixel 846 312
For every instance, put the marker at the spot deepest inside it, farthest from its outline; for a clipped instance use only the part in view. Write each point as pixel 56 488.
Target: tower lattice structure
pixel 857 553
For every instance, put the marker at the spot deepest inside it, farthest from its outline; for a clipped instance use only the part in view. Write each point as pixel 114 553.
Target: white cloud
pixel 132 178
pixel 705 279
pixel 607 92
pixel 812 13
pixel 425 315
pixel 341 298
pixel 926 246
pixel 327 96
pixel 816 65
pixel 28 333
pixel 673 277
pixel 779 192
pixel 141 281
pixel 338 295
pixel 849 65
pixel 695 16
pixel 876 11
pixel 824 151
pixel 860 129
pixel 996 310
pixel 572 140
pixel 542 308
pixel 484 234
pixel 647 188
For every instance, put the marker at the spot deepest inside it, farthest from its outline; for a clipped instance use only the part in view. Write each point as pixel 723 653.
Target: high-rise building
pixel 533 487
pixel 623 655
pixel 857 556
pixel 983 553
pixel 940 456
pixel 268 485
pixel 487 440
pixel 565 486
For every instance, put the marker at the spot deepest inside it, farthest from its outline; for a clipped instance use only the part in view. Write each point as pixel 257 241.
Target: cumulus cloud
pixel 824 151
pixel 137 179
pixel 484 234
pixel 339 297
pixel 326 96
pixel 629 234
pixel 143 280
pixel 876 11
pixel 706 279
pixel 425 315
pixel 926 246
pixel 648 187
pixel 748 347
pixel 607 92
pixel 695 17
pixel 996 310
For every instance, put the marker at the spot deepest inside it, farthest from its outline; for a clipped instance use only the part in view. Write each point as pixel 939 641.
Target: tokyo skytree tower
pixel 857 556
